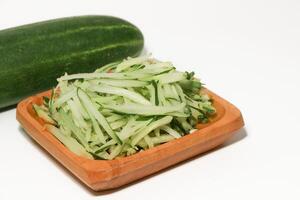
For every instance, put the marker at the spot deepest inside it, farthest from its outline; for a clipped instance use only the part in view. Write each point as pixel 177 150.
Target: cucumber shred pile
pixel 124 107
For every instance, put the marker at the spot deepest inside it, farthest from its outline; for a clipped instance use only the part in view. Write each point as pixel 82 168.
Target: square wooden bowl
pixel 102 175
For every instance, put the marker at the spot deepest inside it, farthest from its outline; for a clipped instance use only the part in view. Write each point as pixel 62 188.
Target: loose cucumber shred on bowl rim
pixel 124 107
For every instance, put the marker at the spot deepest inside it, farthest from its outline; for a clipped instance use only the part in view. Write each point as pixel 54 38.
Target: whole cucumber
pixel 33 56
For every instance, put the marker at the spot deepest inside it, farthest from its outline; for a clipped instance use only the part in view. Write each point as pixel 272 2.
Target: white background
pixel 246 51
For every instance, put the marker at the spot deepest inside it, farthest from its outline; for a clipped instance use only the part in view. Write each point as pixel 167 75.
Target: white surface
pixel 246 51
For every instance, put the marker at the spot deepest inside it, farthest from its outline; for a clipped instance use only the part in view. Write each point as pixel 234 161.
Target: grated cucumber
pixel 124 107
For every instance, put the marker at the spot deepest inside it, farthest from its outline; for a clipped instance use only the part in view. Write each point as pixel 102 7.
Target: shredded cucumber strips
pixel 124 107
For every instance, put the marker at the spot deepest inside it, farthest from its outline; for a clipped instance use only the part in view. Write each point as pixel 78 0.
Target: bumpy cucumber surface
pixel 33 56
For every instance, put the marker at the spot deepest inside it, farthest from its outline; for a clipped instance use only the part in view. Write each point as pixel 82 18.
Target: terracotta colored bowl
pixel 103 175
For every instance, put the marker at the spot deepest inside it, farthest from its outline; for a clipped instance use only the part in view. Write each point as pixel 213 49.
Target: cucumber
pixel 33 56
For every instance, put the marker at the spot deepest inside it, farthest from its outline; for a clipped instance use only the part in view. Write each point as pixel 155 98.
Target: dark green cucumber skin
pixel 33 56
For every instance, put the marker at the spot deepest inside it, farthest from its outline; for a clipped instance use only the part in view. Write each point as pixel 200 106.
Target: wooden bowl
pixel 102 175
